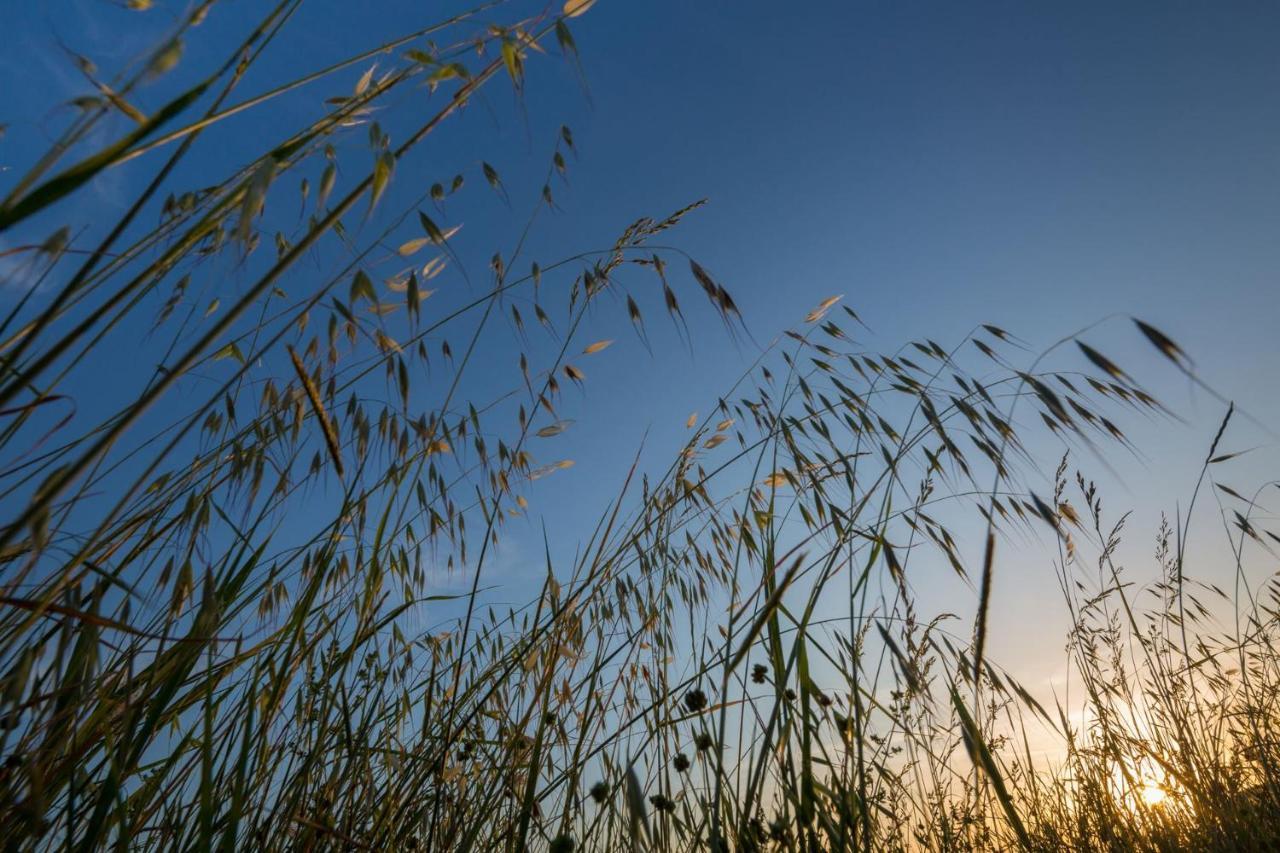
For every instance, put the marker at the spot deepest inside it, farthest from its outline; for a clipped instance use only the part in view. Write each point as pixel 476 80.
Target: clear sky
pixel 1038 166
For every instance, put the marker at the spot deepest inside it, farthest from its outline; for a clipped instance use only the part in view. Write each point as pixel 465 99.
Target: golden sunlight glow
pixel 1140 785
pixel 1153 794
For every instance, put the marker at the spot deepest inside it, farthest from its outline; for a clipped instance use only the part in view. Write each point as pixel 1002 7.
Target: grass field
pixel 214 586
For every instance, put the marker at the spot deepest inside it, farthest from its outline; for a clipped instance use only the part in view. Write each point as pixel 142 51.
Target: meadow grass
pixel 212 594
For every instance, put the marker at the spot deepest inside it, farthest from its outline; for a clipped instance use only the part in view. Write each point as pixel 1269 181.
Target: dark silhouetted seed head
pixel 662 804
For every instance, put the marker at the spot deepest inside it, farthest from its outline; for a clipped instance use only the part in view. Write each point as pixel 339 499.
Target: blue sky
pixel 1036 166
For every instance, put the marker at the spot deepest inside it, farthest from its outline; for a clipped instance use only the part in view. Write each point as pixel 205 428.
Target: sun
pixel 1152 793
pixel 1140 785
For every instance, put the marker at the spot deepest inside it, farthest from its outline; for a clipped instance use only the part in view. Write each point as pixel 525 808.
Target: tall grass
pixel 214 597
